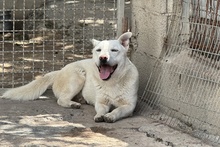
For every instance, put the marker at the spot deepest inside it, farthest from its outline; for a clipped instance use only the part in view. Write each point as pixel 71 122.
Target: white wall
pixel 149 25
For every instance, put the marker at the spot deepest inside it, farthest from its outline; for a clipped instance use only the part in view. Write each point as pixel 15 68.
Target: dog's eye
pixel 114 50
pixel 98 50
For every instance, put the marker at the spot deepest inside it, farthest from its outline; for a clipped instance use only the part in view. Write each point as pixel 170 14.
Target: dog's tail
pixel 32 90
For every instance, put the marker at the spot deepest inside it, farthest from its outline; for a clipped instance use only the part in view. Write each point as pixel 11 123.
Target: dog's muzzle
pixel 103 59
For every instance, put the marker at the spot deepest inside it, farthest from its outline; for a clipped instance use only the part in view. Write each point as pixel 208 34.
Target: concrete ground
pixel 42 123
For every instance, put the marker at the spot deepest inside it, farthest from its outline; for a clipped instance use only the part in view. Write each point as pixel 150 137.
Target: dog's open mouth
pixel 105 71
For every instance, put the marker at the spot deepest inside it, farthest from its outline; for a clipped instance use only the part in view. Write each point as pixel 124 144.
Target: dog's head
pixel 110 54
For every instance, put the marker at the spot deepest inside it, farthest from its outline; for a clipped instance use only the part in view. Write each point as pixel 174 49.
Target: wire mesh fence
pixel 183 90
pixel 38 36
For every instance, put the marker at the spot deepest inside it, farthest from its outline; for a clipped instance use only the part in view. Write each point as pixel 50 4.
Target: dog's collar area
pixel 105 71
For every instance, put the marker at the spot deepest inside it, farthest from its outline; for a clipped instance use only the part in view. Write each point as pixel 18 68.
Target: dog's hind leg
pixel 67 87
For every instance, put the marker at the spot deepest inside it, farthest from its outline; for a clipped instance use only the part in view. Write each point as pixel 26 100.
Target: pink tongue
pixel 105 71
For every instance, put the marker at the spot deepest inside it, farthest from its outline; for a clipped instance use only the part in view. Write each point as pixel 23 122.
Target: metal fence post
pixel 120 16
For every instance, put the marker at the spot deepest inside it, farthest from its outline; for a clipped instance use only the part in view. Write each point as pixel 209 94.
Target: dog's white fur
pixel 119 90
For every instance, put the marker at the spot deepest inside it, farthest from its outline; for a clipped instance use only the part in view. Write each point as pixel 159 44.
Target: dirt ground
pixel 42 123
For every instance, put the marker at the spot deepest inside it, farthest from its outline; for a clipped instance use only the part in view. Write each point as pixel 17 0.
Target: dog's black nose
pixel 103 59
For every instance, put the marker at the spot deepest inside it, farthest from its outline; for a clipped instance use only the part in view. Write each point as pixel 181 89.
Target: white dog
pixel 108 80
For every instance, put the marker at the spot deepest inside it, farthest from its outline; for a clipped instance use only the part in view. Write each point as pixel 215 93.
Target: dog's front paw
pixel 98 118
pixel 76 105
pixel 109 118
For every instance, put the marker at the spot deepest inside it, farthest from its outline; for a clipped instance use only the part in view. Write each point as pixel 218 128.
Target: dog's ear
pixel 124 39
pixel 95 42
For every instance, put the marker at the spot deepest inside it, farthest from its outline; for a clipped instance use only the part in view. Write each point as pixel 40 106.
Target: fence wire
pixel 38 36
pixel 183 90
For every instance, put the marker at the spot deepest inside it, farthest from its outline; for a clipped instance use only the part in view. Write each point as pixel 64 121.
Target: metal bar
pixel 120 16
